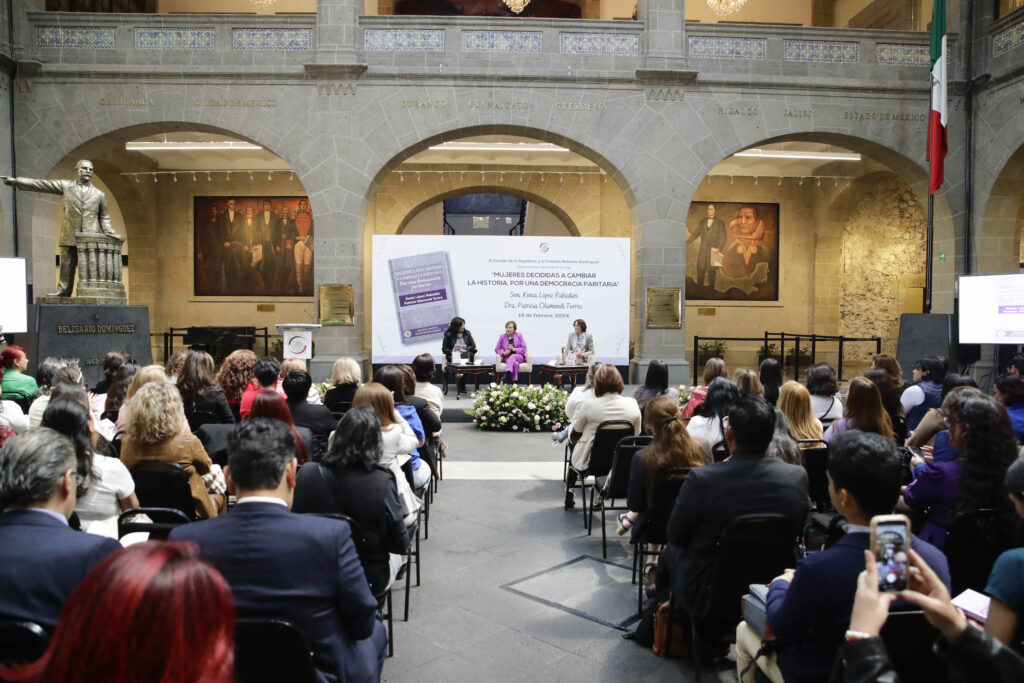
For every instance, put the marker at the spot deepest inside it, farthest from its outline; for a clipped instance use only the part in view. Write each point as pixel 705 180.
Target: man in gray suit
pixel 84 210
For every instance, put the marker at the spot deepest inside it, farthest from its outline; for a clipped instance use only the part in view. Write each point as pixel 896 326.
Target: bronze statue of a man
pixel 84 210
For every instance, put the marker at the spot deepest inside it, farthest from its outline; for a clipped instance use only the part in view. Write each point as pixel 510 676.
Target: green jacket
pixel 17 385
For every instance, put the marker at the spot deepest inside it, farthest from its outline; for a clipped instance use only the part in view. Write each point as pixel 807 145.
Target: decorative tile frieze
pixel 831 51
pixel 722 47
pixel 1007 39
pixel 403 40
pixel 501 41
pixel 272 39
pixel 619 44
pixel 899 54
pixel 79 37
pixel 174 38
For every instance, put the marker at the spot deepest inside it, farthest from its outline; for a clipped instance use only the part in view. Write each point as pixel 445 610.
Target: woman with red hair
pixel 271 404
pixel 150 612
pixel 16 385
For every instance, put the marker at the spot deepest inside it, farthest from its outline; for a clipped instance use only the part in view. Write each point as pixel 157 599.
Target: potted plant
pixel 713 348
pixel 768 350
pixel 799 356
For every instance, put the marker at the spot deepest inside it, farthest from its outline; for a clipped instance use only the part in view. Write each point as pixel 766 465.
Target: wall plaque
pixel 337 305
pixel 664 310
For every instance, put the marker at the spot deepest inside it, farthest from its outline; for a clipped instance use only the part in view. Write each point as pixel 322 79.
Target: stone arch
pixel 999 227
pixel 471 188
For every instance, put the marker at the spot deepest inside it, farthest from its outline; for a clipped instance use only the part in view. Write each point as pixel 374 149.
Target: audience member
pixel 13 417
pixel 346 376
pixel 711 418
pixel 300 568
pixel 826 402
pixel 784 445
pixel 317 419
pixel 671 446
pixel 44 377
pixel 980 429
pixel 270 404
pixel 747 483
pixel 265 372
pixel 931 437
pixel 1006 581
pixel 109 489
pixel 864 411
pixel 15 385
pixel 234 376
pixel 111 362
pixel 1017 365
pixel 430 421
pixel 714 367
pixel 580 395
pixel 350 480
pixel 203 399
pixel 925 393
pixel 393 378
pixel 795 404
pixel 608 404
pixel 289 364
pixel 809 609
pixel 748 383
pixel 975 653
pixel 1009 390
pixel 145 375
pixel 770 374
pixel 890 401
pixel 176 362
pixel 42 560
pixel 423 368
pixel 154 433
pixel 151 612
pixel 891 367
pixel 655 384
pixel 118 390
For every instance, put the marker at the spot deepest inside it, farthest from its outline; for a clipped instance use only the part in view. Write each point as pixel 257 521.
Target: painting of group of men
pixel 732 251
pixel 253 246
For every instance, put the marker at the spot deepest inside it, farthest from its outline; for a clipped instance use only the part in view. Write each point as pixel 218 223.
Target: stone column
pixel 665 32
pixel 336 31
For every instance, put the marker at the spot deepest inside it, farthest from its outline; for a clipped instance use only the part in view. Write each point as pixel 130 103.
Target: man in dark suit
pixel 296 567
pixel 711 233
pixel 233 250
pixel 809 609
pixel 270 228
pixel 42 560
pixel 317 419
pixel 747 483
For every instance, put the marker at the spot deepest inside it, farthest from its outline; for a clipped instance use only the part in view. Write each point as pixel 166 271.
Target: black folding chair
pixel 602 450
pixel 214 438
pixel 616 484
pixel 816 463
pixel 751 549
pixel 163 521
pixel 660 502
pixel 21 642
pixel 975 540
pixel 163 484
pixel 272 650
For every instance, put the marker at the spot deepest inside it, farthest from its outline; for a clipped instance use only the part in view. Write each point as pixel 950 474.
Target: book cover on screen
pixel 423 295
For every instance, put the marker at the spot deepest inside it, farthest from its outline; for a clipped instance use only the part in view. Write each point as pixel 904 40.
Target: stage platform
pixel 455 410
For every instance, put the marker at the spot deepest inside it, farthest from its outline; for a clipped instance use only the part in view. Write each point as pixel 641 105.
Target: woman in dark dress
pixel 349 480
pixel 346 378
pixel 204 400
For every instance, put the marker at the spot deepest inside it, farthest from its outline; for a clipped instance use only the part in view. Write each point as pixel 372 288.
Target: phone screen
pixel 890 550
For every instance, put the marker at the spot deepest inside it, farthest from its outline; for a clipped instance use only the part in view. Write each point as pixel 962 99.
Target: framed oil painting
pixel 732 251
pixel 253 246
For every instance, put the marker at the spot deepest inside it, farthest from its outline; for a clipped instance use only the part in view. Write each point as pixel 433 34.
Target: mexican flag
pixel 936 153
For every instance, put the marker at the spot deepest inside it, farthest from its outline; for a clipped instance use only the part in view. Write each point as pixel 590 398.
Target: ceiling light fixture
pixel 726 8
pixel 784 154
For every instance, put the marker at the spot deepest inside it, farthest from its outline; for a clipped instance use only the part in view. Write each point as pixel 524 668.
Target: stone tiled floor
pixel 487 533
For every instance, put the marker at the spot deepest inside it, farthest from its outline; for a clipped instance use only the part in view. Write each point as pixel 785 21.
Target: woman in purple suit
pixel 511 350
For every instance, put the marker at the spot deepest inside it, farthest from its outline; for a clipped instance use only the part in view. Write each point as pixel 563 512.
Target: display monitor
pixel 992 309
pixel 13 306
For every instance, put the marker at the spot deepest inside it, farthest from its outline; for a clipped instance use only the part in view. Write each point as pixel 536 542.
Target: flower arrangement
pixel 322 388
pixel 508 407
pixel 684 394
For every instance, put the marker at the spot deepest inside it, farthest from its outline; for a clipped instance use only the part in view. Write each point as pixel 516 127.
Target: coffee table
pixel 559 370
pixel 461 371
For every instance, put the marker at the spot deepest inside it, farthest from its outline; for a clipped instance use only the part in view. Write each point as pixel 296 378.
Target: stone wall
pixel 882 264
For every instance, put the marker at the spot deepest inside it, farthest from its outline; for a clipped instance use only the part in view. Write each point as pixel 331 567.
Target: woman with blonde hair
pixel 142 377
pixel 346 376
pixel 715 367
pixel 672 446
pixel 155 415
pixel 795 404
pixel 234 376
pixel 864 411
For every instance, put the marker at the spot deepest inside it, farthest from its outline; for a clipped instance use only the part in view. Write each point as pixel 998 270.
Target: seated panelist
pixel 579 347
pixel 457 339
pixel 511 350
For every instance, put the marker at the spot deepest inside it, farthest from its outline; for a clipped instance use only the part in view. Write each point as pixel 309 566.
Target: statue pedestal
pixel 99 268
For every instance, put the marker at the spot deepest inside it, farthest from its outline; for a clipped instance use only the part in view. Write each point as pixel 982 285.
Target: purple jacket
pixel 518 344
pixel 935 490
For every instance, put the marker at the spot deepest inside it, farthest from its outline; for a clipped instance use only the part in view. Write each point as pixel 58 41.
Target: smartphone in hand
pixel 890 541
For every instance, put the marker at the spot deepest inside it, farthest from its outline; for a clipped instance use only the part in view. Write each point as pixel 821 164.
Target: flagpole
pixel 927 308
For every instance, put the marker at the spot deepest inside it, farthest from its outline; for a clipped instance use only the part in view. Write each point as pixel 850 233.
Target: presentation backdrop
pixel 421 282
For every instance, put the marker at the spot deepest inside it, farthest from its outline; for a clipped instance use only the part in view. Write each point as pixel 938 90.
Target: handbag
pixel 662 623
